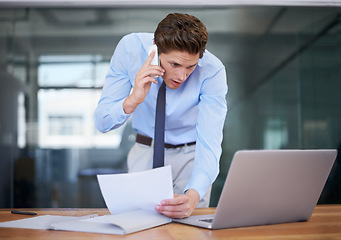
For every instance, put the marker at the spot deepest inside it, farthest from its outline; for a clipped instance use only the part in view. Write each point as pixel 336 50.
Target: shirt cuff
pixel 200 182
pixel 119 114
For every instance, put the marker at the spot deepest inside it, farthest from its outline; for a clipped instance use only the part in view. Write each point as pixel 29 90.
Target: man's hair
pixel 181 32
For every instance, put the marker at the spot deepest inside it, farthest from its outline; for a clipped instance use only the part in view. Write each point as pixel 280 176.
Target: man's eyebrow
pixel 176 63
pixel 193 65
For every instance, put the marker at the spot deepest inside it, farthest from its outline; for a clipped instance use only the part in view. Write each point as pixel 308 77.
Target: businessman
pixel 195 90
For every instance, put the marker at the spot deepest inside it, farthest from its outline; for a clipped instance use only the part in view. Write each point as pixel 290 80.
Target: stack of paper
pixel 130 198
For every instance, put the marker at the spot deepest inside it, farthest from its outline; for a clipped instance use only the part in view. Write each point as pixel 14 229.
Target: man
pixel 195 106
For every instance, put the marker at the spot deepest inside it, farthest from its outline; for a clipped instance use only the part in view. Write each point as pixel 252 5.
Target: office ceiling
pixel 104 21
pixel 252 41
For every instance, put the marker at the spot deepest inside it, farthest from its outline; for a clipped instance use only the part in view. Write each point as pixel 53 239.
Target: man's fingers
pixel 150 70
pixel 171 208
pixel 151 79
pixel 177 204
pixel 173 214
pixel 155 70
pixel 177 200
pixel 178 211
pixel 146 79
pixel 180 206
pixel 149 59
pixel 146 76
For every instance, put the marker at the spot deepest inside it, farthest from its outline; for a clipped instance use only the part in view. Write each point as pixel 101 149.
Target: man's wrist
pixel 194 195
pixel 129 105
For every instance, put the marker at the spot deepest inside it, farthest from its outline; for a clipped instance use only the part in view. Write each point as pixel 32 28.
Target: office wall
pixel 283 67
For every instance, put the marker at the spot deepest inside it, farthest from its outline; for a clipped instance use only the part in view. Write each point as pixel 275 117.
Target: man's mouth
pixel 176 83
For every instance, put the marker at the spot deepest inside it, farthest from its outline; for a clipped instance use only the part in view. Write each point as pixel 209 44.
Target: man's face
pixel 178 66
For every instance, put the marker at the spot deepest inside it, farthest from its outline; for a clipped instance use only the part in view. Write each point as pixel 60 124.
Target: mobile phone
pixel 156 59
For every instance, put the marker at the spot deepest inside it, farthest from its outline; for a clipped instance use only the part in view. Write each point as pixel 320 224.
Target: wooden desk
pixel 324 224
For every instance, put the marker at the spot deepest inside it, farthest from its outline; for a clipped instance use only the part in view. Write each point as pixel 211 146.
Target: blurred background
pixel 284 75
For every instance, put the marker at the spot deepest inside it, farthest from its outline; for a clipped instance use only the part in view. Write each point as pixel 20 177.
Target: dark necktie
pixel 159 133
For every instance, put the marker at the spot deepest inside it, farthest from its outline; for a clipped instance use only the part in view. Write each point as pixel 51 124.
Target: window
pixel 70 87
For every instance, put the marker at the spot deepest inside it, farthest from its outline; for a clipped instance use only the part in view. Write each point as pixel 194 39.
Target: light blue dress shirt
pixel 194 112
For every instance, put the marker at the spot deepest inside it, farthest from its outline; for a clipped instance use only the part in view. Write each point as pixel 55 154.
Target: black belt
pixel 148 141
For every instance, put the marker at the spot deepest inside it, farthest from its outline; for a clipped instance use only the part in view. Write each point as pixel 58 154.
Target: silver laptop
pixel 269 187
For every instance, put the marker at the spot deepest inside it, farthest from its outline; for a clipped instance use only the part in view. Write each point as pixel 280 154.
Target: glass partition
pixel 283 68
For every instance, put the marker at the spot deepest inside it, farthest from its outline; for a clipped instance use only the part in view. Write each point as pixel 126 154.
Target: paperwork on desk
pixel 134 191
pixel 41 222
pixel 130 198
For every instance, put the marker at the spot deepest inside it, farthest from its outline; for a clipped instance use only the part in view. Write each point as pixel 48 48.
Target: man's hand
pixel 180 206
pixel 143 81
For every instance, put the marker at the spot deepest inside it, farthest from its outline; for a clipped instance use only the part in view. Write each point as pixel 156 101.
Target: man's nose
pixel 182 75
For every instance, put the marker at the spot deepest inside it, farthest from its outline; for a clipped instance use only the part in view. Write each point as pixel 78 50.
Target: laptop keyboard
pixel 208 220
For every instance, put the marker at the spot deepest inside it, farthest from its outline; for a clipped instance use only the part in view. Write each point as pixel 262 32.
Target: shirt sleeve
pixel 109 113
pixel 209 132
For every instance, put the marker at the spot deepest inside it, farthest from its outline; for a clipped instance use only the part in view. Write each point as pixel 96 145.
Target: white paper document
pixel 41 222
pixel 133 191
pixel 123 223
pixel 130 198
